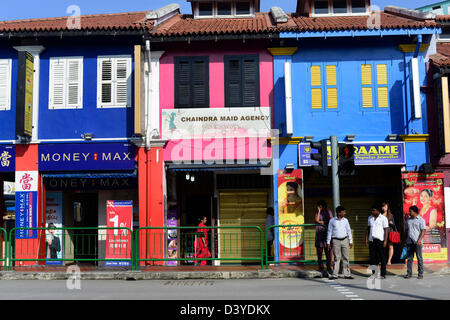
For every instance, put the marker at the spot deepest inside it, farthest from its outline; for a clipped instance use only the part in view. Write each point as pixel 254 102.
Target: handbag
pixel 394 236
pixel 404 254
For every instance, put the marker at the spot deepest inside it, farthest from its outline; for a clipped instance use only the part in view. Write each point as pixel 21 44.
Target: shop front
pixel 220 172
pixel 80 180
pixel 378 178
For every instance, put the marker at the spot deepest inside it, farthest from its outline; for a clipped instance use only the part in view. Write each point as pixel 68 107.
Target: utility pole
pixel 335 173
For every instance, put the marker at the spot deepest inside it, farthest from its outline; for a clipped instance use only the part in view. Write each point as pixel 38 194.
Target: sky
pixel 27 9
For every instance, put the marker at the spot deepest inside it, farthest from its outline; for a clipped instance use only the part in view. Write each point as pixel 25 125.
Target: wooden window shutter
pixel 316 77
pixel 122 78
pixel 332 98
pixel 57 83
pixel 382 74
pixel 366 74
pixel 106 74
pixel 5 84
pixel 234 83
pixel 200 85
pixel 383 97
pixel 367 97
pixel 251 82
pixel 316 98
pixel 191 83
pixel 74 73
pixel 331 75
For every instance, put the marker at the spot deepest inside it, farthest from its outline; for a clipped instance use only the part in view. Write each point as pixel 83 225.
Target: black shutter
pixel 242 81
pixel 191 82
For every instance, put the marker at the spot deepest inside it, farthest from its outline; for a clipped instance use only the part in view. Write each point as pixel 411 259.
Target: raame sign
pixel 366 153
pixel 77 157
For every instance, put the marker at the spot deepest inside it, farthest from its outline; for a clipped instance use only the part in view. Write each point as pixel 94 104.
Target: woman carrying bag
pixel 394 235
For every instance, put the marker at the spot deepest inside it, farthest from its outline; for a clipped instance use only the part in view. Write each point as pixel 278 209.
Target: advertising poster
pixel 26 204
pixel 119 214
pixel 426 191
pixel 53 238
pixel 290 212
pixel 172 237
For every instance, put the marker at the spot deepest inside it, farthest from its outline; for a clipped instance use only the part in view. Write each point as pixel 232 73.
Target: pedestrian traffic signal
pixel 346 159
pixel 321 156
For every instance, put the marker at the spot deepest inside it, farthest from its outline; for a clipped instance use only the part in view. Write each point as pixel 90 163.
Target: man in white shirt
pixel 377 238
pixel 340 233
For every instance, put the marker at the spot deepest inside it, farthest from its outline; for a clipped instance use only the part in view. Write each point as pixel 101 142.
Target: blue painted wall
pixel 71 123
pixel 8 117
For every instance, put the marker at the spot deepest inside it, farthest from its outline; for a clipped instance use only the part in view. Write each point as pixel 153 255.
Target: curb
pixel 139 275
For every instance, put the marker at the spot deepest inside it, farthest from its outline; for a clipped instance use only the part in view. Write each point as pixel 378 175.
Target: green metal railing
pixel 297 244
pixel 4 248
pixel 114 246
pixel 232 245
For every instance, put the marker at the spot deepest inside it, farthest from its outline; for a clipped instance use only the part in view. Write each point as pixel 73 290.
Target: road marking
pixel 342 289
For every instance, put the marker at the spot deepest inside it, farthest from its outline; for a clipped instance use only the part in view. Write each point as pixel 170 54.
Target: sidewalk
pixel 206 272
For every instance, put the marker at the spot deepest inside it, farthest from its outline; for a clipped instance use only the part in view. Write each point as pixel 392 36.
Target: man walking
pixel 376 238
pixel 415 227
pixel 340 233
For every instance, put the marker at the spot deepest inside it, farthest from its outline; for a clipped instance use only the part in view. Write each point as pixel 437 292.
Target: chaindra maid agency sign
pixel 98 156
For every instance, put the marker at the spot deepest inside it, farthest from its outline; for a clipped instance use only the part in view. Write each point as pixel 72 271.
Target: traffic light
pixel 346 159
pixel 321 156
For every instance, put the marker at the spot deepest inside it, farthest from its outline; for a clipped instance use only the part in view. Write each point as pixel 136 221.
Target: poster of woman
pixel 426 191
pixel 290 212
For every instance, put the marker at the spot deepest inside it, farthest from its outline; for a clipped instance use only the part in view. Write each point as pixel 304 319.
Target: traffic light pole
pixel 334 172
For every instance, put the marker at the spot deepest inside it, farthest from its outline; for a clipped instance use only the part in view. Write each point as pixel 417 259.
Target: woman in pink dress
pixel 201 242
pixel 428 212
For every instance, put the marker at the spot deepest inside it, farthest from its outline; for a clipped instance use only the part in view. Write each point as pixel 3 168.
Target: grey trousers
pixel 414 249
pixel 341 253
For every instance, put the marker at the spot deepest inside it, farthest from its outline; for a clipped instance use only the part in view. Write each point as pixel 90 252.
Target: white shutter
pixel 66 83
pixel 74 82
pixel 114 83
pixel 5 84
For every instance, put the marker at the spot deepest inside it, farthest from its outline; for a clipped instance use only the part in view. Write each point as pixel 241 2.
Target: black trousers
pixel 378 255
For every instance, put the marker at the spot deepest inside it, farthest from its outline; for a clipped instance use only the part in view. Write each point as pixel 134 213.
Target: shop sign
pixel 426 191
pixel 24 109
pixel 96 156
pixel 119 214
pixel 290 212
pixel 213 122
pixel 7 158
pixel 366 153
pixel 172 237
pixel 53 238
pixel 26 203
pixel 90 183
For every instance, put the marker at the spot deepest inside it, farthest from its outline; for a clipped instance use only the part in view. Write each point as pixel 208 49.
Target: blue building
pixel 343 70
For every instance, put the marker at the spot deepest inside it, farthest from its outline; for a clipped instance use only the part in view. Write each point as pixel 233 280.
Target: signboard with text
pixel 366 153
pixel 119 214
pixel 24 108
pixel 26 203
pixel 77 157
pixel 7 158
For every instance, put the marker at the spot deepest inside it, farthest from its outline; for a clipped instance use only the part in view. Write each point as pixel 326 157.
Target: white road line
pixel 352 296
pixel 341 289
pixel 356 299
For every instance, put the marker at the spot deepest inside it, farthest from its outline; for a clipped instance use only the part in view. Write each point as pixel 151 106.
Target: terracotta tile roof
pixel 442 57
pixel 186 25
pixel 98 22
pixel 443 18
pixel 387 21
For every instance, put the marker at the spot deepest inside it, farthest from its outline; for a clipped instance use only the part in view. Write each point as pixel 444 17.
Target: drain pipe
pixel 415 77
pixel 148 104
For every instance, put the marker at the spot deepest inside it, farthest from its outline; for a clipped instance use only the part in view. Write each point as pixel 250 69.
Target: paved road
pixel 393 288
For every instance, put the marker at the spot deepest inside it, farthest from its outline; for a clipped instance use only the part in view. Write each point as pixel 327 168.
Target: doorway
pixel 85 216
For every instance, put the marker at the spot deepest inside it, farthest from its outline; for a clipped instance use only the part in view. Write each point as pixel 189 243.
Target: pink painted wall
pixel 217 100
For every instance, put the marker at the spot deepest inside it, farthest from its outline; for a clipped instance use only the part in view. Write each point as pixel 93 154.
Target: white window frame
pixel 215 11
pixel 7 62
pixel 113 103
pixel 66 104
pixel 331 13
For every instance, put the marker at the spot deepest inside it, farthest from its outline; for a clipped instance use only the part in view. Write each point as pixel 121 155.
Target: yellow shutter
pixel 383 97
pixel 316 98
pixel 332 98
pixel 366 74
pixel 331 75
pixel 316 76
pixel 367 97
pixel 382 74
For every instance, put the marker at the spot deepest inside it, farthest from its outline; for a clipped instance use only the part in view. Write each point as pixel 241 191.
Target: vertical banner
pixel 26 203
pixel 426 191
pixel 119 214
pixel 53 238
pixel 290 212
pixel 172 237
pixel 24 110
